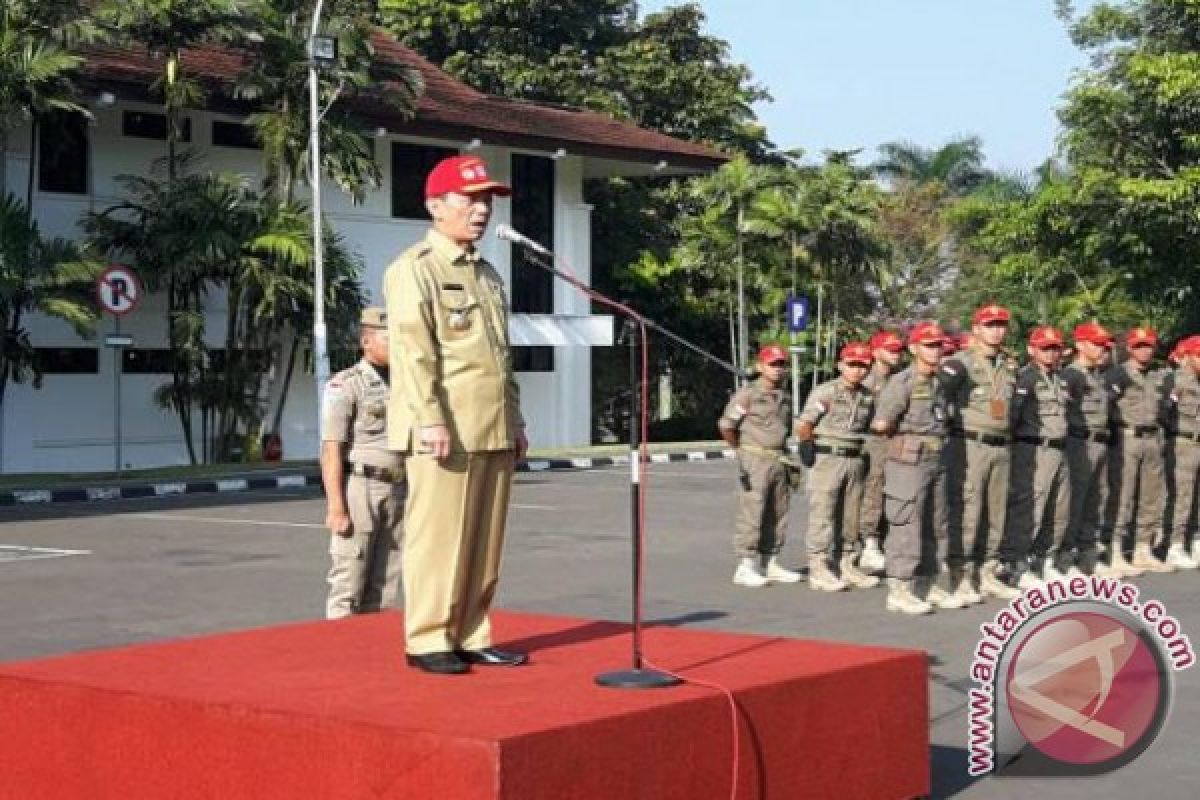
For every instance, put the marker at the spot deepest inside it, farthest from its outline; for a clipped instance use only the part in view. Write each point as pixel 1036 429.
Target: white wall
pixel 68 424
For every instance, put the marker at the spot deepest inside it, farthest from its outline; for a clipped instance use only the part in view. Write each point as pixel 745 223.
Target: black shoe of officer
pixel 492 657
pixel 441 663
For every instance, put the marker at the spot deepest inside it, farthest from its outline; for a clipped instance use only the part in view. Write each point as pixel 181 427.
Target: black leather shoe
pixel 492 657
pixel 443 663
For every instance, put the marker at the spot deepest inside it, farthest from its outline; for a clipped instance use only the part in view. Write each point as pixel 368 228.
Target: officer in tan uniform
pixel 364 481
pixel 1039 495
pixel 454 408
pixel 831 429
pixel 887 348
pixel 911 412
pixel 1089 444
pixel 756 422
pixel 1182 395
pixel 979 384
pixel 1136 407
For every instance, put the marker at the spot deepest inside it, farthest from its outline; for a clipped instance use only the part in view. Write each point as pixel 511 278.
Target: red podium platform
pixel 326 710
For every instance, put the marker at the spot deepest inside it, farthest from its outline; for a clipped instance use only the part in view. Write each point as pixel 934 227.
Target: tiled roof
pixel 448 108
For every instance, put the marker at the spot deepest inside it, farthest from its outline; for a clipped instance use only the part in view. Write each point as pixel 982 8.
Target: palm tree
pixel 45 276
pixel 275 82
pixel 957 165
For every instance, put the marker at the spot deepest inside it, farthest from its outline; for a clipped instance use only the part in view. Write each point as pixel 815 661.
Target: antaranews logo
pixel 1072 678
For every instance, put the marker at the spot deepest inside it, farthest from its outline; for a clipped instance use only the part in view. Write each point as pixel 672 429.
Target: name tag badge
pixel 458 321
pixel 998 408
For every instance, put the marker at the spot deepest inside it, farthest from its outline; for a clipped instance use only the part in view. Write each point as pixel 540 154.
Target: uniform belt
pixel 386 474
pixel 1044 441
pixel 761 451
pixel 1138 431
pixel 838 450
pixel 990 439
pixel 1191 437
pixel 1103 437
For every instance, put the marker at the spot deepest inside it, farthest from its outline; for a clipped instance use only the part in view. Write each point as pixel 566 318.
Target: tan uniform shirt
pixel 355 412
pixel 1039 404
pixel 762 416
pixel 1183 402
pixel 839 414
pixel 448 327
pixel 1087 399
pixel 1136 396
pixel 911 402
pixel 980 388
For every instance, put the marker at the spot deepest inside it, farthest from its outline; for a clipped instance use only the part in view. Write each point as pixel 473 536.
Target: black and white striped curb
pixel 302 480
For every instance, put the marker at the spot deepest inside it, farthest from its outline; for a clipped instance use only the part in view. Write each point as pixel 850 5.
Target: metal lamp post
pixel 322 52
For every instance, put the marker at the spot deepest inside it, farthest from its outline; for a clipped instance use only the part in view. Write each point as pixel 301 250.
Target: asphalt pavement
pixel 77 575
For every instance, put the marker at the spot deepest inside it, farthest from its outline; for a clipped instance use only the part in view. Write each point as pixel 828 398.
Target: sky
pixel 848 74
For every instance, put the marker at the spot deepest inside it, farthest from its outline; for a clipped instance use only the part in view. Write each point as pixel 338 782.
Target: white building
pixel 69 424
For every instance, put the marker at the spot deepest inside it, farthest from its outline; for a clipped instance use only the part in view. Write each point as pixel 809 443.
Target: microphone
pixel 508 234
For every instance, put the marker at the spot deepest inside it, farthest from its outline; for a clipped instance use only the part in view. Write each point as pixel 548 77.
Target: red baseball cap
pixel 926 333
pixel 990 313
pixel 857 353
pixel 463 175
pixel 1045 336
pixel 886 340
pixel 772 352
pixel 1141 335
pixel 1092 332
pixel 1190 346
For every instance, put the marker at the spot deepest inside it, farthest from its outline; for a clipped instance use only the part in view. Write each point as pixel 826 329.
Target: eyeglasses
pixel 777 364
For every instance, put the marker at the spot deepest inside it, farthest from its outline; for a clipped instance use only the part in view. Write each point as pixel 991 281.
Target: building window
pixel 68 360
pixel 410 164
pixel 234 134
pixel 529 358
pixel 148 125
pixel 532 286
pixel 144 361
pixel 63 153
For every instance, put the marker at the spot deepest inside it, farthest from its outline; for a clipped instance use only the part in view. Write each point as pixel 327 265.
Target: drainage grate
pixel 16 552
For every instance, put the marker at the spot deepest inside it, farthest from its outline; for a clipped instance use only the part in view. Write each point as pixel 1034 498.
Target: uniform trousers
pixel 762 503
pixel 1087 464
pixel 915 504
pixel 456 517
pixel 835 490
pixel 870 516
pixel 1142 481
pixel 364 574
pixel 1039 501
pixel 1185 455
pixel 984 500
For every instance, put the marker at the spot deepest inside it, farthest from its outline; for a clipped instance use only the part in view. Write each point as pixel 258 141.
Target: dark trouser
pixel 1087 463
pixel 1039 502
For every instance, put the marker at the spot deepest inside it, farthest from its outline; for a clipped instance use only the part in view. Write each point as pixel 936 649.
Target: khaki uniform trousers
pixel 1039 501
pixel 762 504
pixel 835 490
pixel 1185 455
pixel 457 512
pixel 1087 466
pixel 870 516
pixel 984 500
pixel 364 574
pixel 1142 481
pixel 915 504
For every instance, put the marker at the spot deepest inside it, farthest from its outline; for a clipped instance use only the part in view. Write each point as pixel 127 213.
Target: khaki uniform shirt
pixel 761 416
pixel 1136 396
pixel 355 412
pixel 1039 404
pixel 1183 401
pixel 839 414
pixel 1087 398
pixel 448 335
pixel 912 403
pixel 980 388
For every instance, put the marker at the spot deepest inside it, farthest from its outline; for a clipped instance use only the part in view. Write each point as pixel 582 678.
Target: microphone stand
pixel 638 676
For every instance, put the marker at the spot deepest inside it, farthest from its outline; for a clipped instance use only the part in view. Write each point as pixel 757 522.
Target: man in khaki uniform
pixel 1182 395
pixel 1089 444
pixel 1039 495
pixel 1136 407
pixel 979 385
pixel 911 412
pixel 455 410
pixel 364 481
pixel 830 431
pixel 887 348
pixel 756 422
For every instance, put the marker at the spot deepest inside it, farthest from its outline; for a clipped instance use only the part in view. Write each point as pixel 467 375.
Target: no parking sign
pixel 119 290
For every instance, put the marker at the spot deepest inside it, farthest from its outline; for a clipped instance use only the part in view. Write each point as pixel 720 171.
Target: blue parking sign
pixel 797 312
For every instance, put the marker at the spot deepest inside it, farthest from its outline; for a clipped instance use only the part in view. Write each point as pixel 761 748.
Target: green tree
pixel 957 165
pixel 52 277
